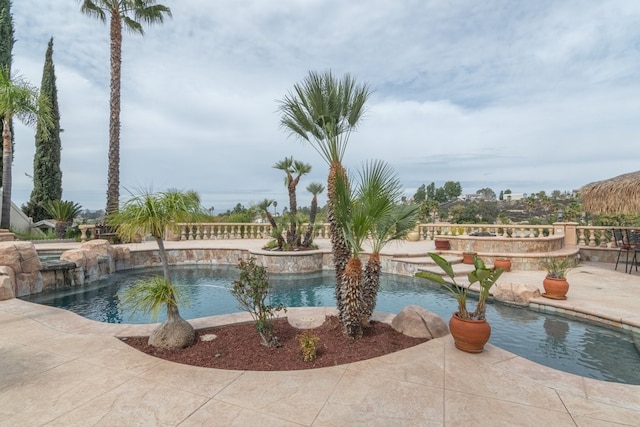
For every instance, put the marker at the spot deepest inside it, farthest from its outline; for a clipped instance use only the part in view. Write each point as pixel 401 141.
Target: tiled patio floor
pixel 57 368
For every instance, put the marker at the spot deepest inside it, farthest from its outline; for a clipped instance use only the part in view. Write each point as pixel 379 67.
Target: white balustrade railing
pixel 591 236
pixel 431 231
pixel 212 231
pixel 594 236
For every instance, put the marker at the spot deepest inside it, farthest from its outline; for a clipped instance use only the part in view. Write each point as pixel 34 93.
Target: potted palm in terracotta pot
pixel 470 329
pixel 555 283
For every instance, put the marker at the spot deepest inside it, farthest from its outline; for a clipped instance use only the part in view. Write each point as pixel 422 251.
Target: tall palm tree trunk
pixel 339 246
pixel 113 180
pixel 370 286
pixel 274 226
pixel 7 157
pixel 352 297
pixel 292 234
pixel 173 314
pixel 308 235
pixel 164 258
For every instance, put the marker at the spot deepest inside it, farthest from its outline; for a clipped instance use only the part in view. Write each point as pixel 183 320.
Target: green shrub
pixel 252 293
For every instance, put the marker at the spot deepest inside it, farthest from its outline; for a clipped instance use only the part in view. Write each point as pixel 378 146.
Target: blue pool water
pixel 581 348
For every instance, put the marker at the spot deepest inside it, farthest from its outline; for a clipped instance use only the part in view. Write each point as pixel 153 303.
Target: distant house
pixel 471 197
pixel 514 197
pixel 46 225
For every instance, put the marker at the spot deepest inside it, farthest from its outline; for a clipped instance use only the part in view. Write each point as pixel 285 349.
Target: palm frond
pixel 151 295
pixel 152 213
pixel 315 188
pixel 323 110
pixel 62 210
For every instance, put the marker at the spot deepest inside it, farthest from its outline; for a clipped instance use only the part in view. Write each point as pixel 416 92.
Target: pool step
pixel 49 254
pixel 459 269
pixel 425 263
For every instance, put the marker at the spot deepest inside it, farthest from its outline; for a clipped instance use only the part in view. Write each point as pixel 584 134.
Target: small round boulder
pixel 418 322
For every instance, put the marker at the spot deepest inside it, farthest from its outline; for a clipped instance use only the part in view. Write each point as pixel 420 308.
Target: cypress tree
pixel 47 177
pixel 6 48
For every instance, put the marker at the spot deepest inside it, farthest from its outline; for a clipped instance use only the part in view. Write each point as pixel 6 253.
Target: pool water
pixel 585 349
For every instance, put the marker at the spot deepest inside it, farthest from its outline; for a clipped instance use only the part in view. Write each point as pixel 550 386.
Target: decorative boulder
pixel 104 250
pixel 173 334
pixel 7 279
pixel 122 258
pixel 515 293
pixel 87 264
pixel 418 322
pixel 22 258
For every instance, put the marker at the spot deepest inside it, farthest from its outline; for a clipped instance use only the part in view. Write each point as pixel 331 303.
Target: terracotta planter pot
pixel 502 263
pixel 467 257
pixel 469 335
pixel 442 245
pixel 555 288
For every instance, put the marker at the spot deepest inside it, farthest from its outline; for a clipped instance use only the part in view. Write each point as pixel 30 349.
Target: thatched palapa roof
pixel 619 195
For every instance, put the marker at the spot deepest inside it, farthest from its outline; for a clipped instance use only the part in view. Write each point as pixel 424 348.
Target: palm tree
pixel 314 188
pixel 276 229
pixel 128 14
pixel 63 212
pixel 355 225
pixel 293 167
pixel 18 99
pixel 153 214
pixel 394 224
pixel 371 210
pixel 323 111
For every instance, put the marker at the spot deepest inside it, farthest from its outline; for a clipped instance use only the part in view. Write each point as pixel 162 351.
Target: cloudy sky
pixel 520 95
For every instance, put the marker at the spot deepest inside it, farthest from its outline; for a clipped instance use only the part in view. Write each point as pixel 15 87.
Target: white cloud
pixel 527 96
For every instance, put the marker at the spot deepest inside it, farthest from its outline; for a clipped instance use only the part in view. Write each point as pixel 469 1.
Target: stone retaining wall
pixel 500 245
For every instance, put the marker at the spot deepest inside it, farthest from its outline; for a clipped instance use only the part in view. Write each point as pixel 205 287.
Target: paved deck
pixel 57 368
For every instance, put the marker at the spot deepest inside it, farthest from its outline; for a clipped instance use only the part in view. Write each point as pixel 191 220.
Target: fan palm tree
pixel 355 225
pixel 381 193
pixel 371 210
pixel 323 111
pixel 293 167
pixel 314 188
pixel 18 98
pixel 153 214
pixel 276 229
pixel 393 225
pixel 129 14
pixel 63 212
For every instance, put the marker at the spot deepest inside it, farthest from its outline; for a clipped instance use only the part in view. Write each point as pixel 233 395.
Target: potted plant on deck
pixel 469 329
pixel 555 283
pixel 503 263
pixel 442 244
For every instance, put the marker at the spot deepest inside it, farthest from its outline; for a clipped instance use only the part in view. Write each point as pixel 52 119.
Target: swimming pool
pixel 581 348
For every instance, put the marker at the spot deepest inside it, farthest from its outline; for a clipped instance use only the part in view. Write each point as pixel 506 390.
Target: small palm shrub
pixel 150 296
pixel 557 268
pixel 63 212
pixel 252 292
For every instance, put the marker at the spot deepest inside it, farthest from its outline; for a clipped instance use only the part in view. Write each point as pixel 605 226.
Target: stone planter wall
pixel 290 262
pixel 505 244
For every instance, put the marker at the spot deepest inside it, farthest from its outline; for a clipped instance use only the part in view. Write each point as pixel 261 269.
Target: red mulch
pixel 238 347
